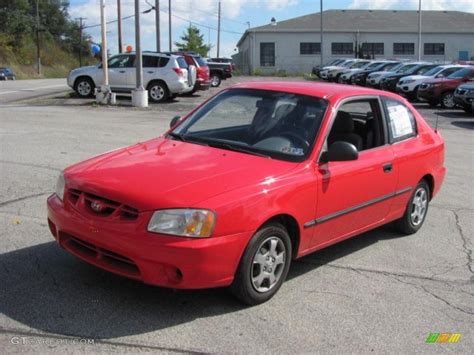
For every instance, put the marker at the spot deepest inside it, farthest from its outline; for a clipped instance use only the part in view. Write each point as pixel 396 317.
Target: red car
pixel 441 90
pixel 259 175
pixel 203 74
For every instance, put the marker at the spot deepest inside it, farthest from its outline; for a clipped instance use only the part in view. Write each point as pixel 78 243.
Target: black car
pixel 7 74
pixel 223 60
pixel 361 78
pixel 464 97
pixel 219 71
pixel 389 83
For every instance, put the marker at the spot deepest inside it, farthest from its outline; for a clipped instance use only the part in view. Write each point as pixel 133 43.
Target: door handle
pixel 150 72
pixel 387 168
pixel 122 71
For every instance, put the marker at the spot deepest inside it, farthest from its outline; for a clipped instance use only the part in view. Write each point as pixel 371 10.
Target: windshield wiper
pixel 177 136
pixel 235 148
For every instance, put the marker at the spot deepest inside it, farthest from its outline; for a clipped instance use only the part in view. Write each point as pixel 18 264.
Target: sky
pixel 236 17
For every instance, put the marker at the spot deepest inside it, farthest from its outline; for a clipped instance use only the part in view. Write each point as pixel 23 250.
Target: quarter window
pixel 121 61
pixel 267 54
pixel 401 121
pixel 434 48
pixel 310 48
pixel 404 48
pixel 342 48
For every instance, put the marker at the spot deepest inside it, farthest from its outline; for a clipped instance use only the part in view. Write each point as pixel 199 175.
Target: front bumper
pixel 127 249
pixel 465 101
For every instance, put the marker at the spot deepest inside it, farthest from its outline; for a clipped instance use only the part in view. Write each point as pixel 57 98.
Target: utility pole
pixel 105 66
pixel 119 23
pixel 169 25
pixel 139 95
pixel 38 54
pixel 419 30
pixel 219 30
pixel 81 28
pixel 321 30
pixel 157 24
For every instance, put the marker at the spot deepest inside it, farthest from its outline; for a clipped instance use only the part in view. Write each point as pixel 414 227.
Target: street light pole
pixel 103 26
pixel 38 54
pixel 219 30
pixel 419 30
pixel 119 23
pixel 157 24
pixel 139 95
pixel 169 26
pixel 321 30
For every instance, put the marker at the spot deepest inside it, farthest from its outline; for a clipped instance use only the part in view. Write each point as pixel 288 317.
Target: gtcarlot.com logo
pixel 17 340
pixel 443 338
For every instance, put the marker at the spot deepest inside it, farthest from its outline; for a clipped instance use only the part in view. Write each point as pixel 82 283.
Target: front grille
pixel 100 206
pixel 99 256
pixel 423 86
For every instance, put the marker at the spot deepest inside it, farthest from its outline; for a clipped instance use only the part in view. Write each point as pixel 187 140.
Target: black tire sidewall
pixel 407 217
pixel 218 80
pixel 90 82
pixel 242 286
pixel 442 99
pixel 165 89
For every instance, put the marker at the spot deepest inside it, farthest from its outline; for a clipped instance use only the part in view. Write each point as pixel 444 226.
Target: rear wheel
pixel 215 80
pixel 264 265
pixel 158 91
pixel 84 87
pixel 433 103
pixel 416 210
pixel 447 100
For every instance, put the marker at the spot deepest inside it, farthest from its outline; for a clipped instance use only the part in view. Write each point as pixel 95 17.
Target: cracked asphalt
pixel 378 292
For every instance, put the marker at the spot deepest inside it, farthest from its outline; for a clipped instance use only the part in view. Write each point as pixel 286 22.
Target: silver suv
pixel 164 76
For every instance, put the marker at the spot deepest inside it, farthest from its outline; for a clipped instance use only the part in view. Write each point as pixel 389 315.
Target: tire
pixel 264 265
pixel 416 211
pixel 84 87
pixel 216 80
pixel 447 100
pixel 433 103
pixel 414 96
pixel 467 109
pixel 158 91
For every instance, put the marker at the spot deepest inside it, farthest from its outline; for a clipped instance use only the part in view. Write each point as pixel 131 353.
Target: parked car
pixel 7 74
pixel 223 60
pixel 346 76
pixel 317 68
pixel 247 182
pixel 164 76
pixel 203 81
pixel 323 73
pixel 441 90
pixel 389 82
pixel 219 72
pixel 334 74
pixel 408 86
pixel 373 79
pixel 464 97
pixel 361 78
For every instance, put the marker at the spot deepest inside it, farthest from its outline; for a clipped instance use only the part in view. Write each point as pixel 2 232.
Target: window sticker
pixel 293 151
pixel 400 121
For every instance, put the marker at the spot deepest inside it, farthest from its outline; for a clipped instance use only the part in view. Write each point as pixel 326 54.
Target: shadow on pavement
pixel 45 288
pixel 463 124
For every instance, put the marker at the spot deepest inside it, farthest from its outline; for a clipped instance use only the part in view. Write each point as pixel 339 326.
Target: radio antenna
pixel 437 118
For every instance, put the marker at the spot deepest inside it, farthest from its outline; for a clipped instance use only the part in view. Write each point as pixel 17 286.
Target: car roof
pixel 317 89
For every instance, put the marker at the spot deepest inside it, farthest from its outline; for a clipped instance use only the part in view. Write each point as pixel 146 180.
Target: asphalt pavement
pixel 376 293
pixel 12 91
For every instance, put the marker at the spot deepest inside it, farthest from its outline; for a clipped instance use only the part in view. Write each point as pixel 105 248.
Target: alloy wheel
pixel 418 206
pixel 448 101
pixel 157 92
pixel 268 264
pixel 84 88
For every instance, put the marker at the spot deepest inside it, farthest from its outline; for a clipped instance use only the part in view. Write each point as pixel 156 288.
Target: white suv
pixel 408 85
pixel 164 76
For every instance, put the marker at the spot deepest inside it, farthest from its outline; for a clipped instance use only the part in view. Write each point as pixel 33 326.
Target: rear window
pixel 401 121
pixel 200 61
pixel 182 62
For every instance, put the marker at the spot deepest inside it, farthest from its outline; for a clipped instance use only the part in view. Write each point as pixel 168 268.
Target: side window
pixel 150 61
pixel 163 62
pixel 121 61
pixel 401 121
pixel 360 123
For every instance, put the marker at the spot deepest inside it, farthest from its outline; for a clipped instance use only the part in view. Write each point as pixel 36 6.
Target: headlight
pixel 183 222
pixel 60 185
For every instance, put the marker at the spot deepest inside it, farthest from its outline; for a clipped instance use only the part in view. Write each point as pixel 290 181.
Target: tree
pixel 193 40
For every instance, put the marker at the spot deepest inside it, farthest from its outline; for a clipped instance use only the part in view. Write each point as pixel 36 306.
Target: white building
pixel 294 45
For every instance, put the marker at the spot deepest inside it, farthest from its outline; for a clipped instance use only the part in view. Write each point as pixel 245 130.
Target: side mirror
pixel 340 151
pixel 174 120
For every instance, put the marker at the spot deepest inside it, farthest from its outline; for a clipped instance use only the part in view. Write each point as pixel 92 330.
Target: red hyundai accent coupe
pixel 259 175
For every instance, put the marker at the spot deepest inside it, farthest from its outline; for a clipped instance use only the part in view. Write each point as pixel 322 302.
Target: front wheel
pixel 84 87
pixel 264 265
pixel 447 100
pixel 416 210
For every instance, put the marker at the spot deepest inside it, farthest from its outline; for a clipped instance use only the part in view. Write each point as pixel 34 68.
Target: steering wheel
pixel 293 136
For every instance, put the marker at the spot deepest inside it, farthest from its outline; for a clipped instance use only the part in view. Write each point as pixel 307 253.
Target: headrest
pixel 343 123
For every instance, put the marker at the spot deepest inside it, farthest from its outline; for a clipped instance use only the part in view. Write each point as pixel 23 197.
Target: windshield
pixel 406 68
pixel 373 65
pixel 389 67
pixel 433 71
pixel 422 70
pixel 358 65
pixel 348 63
pixel 460 73
pixel 398 67
pixel 265 123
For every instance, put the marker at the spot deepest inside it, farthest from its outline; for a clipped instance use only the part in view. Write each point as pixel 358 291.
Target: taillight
pixel 179 71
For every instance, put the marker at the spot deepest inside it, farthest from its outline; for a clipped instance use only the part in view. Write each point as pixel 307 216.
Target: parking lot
pixel 378 292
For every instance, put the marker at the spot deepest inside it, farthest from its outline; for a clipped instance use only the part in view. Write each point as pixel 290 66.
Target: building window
pixel 310 48
pixel 342 48
pixel 372 48
pixel 434 48
pixel 404 48
pixel 267 54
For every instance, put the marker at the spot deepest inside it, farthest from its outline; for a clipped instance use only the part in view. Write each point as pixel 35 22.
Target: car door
pixel 355 195
pixel 150 69
pixel 121 71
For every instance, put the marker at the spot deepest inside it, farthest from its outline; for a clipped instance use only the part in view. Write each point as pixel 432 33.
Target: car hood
pixel 84 69
pixel 351 71
pixel 417 77
pixel 164 173
pixel 467 86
